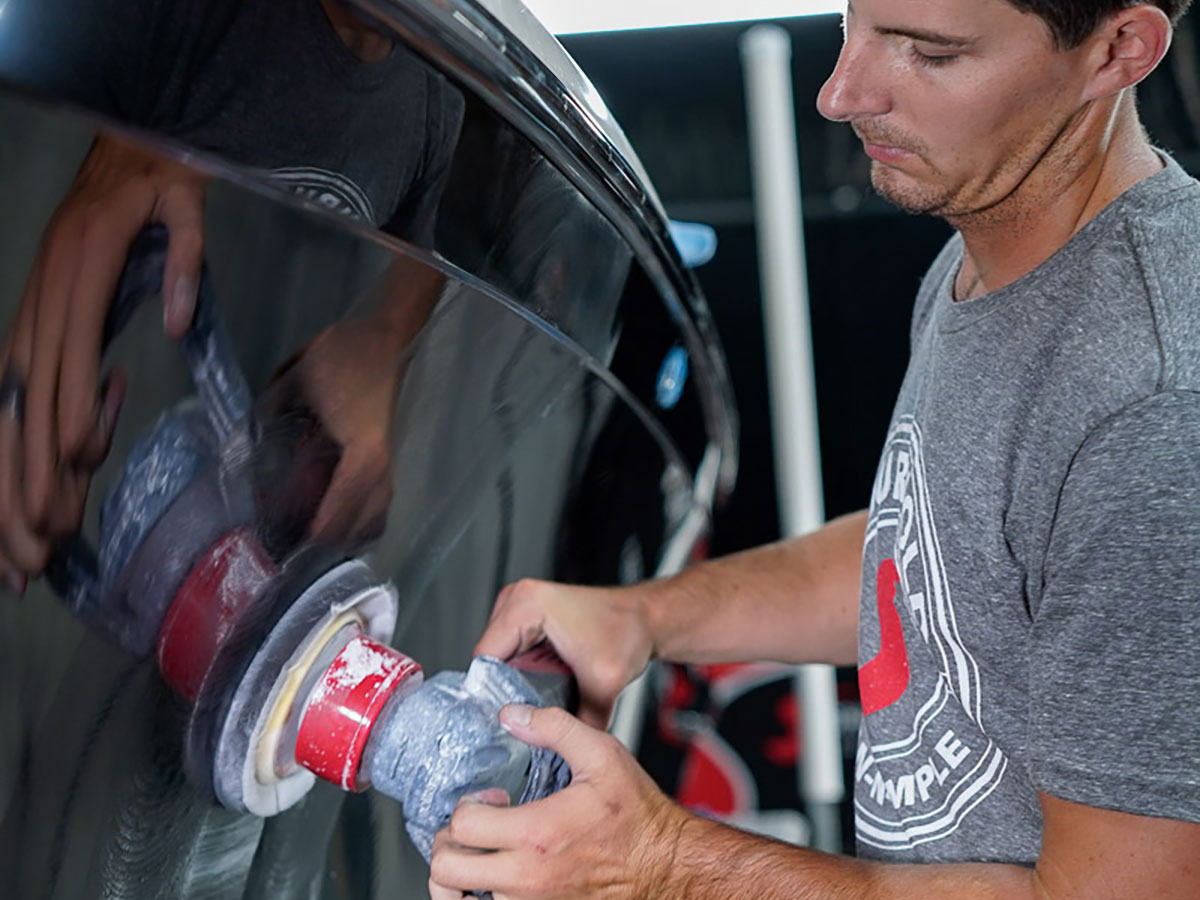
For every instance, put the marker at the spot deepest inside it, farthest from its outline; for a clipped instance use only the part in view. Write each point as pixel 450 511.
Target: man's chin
pixel 903 192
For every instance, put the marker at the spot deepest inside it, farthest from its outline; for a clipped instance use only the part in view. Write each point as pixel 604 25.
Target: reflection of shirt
pixel 1029 612
pixel 263 83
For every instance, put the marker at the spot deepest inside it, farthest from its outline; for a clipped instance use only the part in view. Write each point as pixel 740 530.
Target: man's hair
pixel 1071 22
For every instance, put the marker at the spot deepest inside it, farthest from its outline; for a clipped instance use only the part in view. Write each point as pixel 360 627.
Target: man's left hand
pixel 611 833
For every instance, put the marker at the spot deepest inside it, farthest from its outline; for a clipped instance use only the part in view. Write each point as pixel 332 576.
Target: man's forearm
pixel 794 601
pixel 704 860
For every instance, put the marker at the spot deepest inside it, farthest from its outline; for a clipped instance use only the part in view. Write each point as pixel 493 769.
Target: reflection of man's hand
pixel 56 418
pixel 347 379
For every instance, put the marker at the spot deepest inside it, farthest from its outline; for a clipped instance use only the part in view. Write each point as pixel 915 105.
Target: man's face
pixel 956 101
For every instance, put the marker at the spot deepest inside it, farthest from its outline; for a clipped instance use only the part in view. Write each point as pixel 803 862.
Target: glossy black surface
pixel 470 324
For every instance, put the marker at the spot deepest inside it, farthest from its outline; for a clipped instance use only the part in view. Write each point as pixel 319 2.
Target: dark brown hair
pixel 1072 21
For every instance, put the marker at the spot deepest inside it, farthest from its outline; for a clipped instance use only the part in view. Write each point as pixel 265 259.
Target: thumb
pixel 584 748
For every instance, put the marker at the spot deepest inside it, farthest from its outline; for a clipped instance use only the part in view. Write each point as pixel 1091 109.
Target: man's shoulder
pixel 1162 215
pixel 1162 227
pixel 1123 298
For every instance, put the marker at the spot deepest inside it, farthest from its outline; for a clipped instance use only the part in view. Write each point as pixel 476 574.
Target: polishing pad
pixel 260 707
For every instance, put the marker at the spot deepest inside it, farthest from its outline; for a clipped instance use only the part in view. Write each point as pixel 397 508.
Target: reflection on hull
pixel 503 437
pixel 451 296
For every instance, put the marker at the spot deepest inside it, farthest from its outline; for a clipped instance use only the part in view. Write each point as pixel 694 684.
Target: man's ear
pixel 1126 48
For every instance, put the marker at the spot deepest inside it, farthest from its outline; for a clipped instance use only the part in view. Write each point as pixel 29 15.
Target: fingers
pixel 358 495
pixel 495 797
pixel 55 348
pixel 99 257
pixel 19 544
pixel 437 892
pixel 24 550
pixel 21 550
pixel 585 840
pixel 98 440
pixel 585 749
pixel 68 424
pixel 595 714
pixel 48 297
pixel 487 823
pixel 597 632
pixel 464 869
pixel 515 625
pixel 464 836
pixel 181 209
pixel 372 518
pixel 66 515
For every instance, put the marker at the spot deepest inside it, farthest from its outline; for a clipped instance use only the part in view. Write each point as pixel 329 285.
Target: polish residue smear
pixel 357 662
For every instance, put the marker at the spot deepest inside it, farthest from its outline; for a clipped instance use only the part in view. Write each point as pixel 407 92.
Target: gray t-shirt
pixel 263 83
pixel 1031 573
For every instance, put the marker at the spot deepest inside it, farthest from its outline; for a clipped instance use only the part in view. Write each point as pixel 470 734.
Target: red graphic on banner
pixel 883 680
pixel 783 750
pixel 714 780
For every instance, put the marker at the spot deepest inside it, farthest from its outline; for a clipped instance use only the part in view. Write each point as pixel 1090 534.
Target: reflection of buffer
pixel 279 646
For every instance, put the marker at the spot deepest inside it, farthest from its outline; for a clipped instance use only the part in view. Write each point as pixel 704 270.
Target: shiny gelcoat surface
pixel 476 296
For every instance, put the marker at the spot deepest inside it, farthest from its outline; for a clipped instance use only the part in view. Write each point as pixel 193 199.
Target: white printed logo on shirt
pixel 330 190
pixel 924 761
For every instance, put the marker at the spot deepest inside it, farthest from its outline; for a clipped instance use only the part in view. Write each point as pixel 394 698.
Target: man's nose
pixel 857 88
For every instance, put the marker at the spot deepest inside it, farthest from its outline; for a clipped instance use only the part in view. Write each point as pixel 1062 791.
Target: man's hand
pixel 601 633
pixel 348 380
pixel 57 421
pixel 611 833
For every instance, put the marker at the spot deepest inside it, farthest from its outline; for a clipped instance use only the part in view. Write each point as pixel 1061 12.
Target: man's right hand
pixel 601 633
pixel 57 422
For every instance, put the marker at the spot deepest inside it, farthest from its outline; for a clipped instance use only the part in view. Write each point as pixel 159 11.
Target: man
pixel 1026 636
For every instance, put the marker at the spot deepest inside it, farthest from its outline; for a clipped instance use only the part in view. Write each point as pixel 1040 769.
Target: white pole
pixel 775 169
pixel 626 725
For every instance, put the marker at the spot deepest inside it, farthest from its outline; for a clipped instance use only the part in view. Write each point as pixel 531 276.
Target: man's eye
pixel 932 59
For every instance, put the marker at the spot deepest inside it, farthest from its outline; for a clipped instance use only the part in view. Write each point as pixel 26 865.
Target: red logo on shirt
pixel 883 680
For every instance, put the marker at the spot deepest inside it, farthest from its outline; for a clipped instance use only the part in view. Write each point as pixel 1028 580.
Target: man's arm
pixel 613 834
pixel 1087 854
pixel 795 601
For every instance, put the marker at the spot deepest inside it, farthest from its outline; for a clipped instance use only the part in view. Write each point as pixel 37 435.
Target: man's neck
pixel 1101 157
pixel 365 43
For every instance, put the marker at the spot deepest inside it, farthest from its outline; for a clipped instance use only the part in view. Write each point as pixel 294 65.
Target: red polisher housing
pixel 214 595
pixel 344 706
